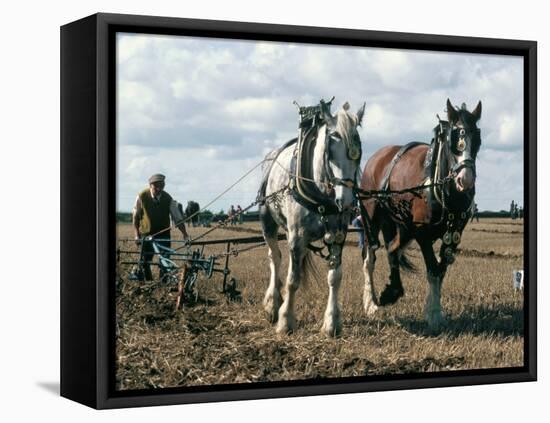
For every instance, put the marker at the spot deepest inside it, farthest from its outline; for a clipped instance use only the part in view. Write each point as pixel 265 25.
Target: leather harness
pixel 385 185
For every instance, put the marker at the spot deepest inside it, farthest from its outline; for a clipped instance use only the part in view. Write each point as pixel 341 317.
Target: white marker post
pixel 517 279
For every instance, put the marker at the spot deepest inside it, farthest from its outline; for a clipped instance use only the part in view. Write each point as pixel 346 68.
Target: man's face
pixel 156 188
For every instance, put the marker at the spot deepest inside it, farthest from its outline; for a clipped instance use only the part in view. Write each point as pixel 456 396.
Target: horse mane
pixel 431 155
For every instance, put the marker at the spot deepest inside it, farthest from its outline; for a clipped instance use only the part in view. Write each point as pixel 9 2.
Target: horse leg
pixel 435 272
pixel 370 304
pixel 287 320
pixel 394 290
pixel 369 296
pixel 272 299
pixel 332 325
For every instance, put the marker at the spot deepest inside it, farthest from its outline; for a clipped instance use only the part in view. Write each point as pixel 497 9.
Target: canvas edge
pixel 104 166
pixel 78 332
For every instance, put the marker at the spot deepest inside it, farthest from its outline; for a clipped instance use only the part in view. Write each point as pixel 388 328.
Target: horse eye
pixel 354 153
pixel 462 132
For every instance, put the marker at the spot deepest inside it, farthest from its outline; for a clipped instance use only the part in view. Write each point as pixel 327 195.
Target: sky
pixel 204 111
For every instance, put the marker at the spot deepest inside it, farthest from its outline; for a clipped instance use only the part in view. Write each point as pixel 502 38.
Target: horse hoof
pixel 332 325
pixel 271 307
pixel 272 317
pixel 370 309
pixel 332 331
pixel 436 323
pixel 285 326
pixel 391 294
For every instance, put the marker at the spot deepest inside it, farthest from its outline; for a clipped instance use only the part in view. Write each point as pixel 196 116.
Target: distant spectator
pixel 231 215
pixel 475 213
pixel 239 214
pixel 358 223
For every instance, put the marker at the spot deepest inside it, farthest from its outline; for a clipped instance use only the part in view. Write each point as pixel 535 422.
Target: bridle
pixel 302 186
pixel 353 151
pixel 456 139
pixel 305 191
pixel 451 141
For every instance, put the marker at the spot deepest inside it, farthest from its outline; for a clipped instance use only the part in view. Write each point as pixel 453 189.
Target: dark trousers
pixel 148 253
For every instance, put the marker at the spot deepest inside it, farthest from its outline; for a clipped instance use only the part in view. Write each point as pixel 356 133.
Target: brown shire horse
pixel 439 211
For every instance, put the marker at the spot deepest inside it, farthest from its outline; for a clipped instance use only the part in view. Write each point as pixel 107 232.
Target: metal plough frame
pixel 184 267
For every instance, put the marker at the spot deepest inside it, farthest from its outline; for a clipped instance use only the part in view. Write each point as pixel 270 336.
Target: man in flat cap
pixel 153 210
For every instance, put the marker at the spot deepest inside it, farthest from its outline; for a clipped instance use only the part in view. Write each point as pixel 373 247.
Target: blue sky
pixel 204 111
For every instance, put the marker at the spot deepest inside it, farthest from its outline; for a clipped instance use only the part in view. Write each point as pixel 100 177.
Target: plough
pixel 183 268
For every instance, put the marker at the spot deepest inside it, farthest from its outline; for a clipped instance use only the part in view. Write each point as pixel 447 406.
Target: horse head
pixel 463 144
pixel 342 152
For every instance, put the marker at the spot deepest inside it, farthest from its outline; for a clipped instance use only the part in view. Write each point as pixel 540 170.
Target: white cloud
pixel 510 129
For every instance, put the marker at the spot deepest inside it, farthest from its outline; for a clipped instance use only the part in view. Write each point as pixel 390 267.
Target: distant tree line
pixel 204 216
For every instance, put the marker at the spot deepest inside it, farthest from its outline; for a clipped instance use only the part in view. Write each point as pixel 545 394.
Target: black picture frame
pixel 88 207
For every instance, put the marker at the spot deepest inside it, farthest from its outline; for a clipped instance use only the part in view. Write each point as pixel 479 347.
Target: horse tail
pixel 406 264
pixel 310 271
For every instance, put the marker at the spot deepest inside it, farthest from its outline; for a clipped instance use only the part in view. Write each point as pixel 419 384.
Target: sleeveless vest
pixel 156 214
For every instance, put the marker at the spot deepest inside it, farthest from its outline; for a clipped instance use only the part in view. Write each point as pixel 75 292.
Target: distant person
pixel 153 210
pixel 512 209
pixel 239 214
pixel 192 212
pixel 475 213
pixel 358 223
pixel 231 215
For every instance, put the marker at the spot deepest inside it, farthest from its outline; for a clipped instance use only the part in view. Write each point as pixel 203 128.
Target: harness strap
pixel 386 181
pixel 303 189
pixel 308 195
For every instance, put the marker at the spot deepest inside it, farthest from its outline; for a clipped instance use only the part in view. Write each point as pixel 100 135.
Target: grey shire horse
pixel 308 186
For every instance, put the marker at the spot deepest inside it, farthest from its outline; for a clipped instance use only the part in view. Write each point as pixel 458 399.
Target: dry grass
pixel 218 342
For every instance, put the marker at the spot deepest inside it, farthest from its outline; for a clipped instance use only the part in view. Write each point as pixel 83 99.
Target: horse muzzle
pixel 464 174
pixel 465 179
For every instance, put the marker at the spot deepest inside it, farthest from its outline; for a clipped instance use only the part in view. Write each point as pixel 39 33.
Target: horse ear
pixel 477 112
pixel 360 114
pixel 452 114
pixel 326 115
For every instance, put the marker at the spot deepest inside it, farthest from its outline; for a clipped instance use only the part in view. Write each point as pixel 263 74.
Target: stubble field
pixel 218 341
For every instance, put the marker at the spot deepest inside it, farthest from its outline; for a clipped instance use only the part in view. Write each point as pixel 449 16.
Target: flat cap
pixel 157 178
